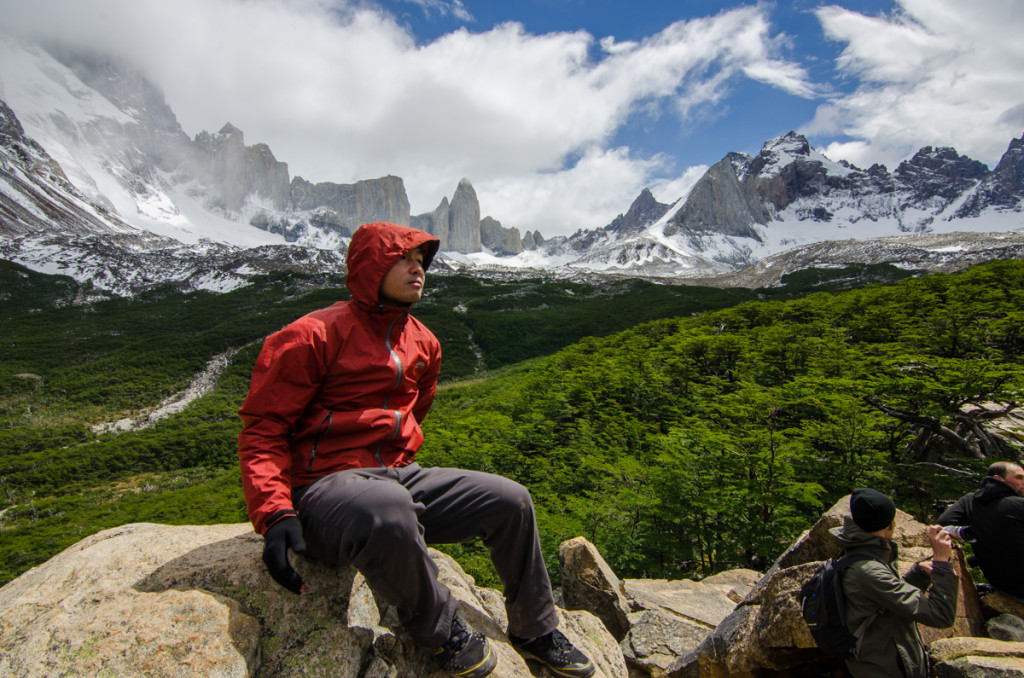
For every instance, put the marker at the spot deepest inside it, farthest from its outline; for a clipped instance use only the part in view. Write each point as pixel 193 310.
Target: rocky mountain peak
pixel 235 172
pixel 1003 188
pixel 498 239
pixel 781 152
pixel 939 173
pixel 644 211
pixel 464 220
pixel 131 158
pixel 789 143
pixel 1009 173
pixel 719 203
pixel 231 132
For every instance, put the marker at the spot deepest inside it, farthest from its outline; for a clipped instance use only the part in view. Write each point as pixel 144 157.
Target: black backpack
pixel 824 606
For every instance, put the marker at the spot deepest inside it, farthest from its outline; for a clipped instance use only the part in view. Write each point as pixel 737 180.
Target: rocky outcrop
pixel 719 203
pixel 435 223
pixel 464 220
pixel 147 599
pixel 976 658
pixel 644 211
pixel 170 601
pixel 657 622
pixel 234 171
pixel 457 224
pixel 1003 188
pixel 938 173
pixel 353 205
pixel 500 240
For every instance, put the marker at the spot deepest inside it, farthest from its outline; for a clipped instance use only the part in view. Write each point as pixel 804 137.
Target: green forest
pixel 682 429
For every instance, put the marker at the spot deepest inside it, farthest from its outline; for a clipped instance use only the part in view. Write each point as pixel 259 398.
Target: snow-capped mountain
pixel 790 195
pixel 100 182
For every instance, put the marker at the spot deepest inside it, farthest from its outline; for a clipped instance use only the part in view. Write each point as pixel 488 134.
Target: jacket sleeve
pixel 955 514
pixel 286 376
pixel 935 608
pixel 427 386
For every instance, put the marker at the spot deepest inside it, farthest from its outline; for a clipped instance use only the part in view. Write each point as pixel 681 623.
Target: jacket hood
pixel 374 249
pixel 850 536
pixel 993 489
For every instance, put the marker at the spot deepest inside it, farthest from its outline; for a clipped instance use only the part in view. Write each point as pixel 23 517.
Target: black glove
pixel 283 535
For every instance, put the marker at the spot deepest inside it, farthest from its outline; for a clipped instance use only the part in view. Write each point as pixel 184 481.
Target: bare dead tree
pixel 962 430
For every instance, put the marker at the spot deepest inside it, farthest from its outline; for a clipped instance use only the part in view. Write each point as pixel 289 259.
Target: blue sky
pixel 754 111
pixel 561 111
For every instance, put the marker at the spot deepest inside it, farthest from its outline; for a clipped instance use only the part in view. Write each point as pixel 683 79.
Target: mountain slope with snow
pixel 100 182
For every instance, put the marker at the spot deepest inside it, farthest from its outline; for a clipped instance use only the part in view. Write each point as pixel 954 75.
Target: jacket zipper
pixel 320 431
pixel 387 398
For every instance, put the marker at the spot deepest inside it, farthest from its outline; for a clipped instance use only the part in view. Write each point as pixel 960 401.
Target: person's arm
pixel 942 551
pixel 427 385
pixel 936 608
pixel 286 376
pixel 956 514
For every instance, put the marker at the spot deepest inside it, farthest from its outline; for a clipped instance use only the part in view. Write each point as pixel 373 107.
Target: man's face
pixel 403 283
pixel 1014 478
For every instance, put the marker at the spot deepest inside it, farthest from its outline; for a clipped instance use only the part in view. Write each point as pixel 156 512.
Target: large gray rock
pixel 999 602
pixel 692 600
pixel 498 239
pixel 657 639
pixel 435 223
pixel 588 583
pixel 1006 627
pixel 236 171
pixel 658 621
pixel 464 220
pixel 170 601
pixel 976 658
pixel 382 199
pixel 720 203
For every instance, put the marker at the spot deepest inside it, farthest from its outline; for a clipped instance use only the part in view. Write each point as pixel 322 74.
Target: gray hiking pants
pixel 380 520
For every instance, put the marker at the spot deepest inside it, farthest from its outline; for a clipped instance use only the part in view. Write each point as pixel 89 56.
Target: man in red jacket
pixel 331 430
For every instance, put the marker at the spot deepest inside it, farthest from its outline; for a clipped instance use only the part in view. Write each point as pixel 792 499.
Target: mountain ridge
pixel 132 200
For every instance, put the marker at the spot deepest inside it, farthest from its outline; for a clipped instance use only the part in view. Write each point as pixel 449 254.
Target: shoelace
pixel 560 643
pixel 458 637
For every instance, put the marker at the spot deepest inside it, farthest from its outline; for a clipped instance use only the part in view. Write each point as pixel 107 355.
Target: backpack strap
pixel 842 561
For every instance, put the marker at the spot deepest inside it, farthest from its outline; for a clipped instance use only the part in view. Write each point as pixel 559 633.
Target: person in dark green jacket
pixel 882 608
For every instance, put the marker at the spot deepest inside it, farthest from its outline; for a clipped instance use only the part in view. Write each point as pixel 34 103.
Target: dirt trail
pixel 202 384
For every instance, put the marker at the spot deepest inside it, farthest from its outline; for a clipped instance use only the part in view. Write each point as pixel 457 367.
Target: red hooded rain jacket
pixel 343 387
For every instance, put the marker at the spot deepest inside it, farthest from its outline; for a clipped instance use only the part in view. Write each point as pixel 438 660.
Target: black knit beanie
pixel 871 510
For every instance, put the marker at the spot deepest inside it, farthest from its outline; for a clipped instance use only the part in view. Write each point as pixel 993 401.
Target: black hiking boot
pixel 556 653
pixel 466 653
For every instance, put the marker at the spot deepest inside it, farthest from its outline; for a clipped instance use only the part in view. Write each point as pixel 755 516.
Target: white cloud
pixel 341 92
pixel 443 7
pixel 601 184
pixel 935 73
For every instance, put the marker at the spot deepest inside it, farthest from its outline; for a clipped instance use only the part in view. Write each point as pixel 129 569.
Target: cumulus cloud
pixel 341 91
pixel 934 72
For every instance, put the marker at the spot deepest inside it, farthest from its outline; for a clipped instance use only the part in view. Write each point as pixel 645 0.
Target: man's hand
pixel 283 535
pixel 942 543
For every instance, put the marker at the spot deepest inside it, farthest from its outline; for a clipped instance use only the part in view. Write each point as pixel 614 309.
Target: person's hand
pixel 283 535
pixel 925 566
pixel 955 531
pixel 942 543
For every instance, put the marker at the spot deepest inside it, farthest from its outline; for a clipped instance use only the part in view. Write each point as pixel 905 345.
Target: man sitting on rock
pixel 331 430
pixel 992 520
pixel 882 609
